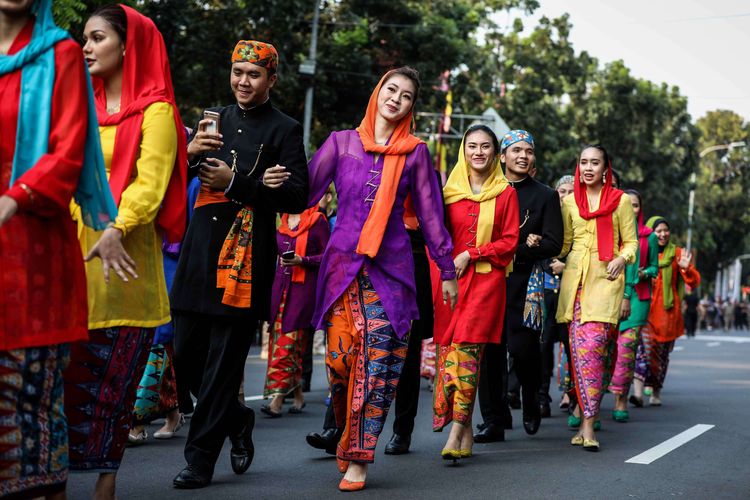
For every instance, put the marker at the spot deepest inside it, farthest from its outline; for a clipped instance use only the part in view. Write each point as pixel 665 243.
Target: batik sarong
pixel 364 361
pixel 456 384
pixel 100 386
pixel 624 369
pixel 652 359
pixel 285 350
pixel 33 430
pixel 588 350
pixel 156 395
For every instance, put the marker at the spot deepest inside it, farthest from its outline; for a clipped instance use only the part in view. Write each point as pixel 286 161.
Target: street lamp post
pixel 307 68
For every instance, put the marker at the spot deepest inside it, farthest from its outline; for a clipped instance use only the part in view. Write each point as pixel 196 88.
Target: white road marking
pixel 254 398
pixel 713 344
pixel 723 338
pixel 669 445
pixel 678 348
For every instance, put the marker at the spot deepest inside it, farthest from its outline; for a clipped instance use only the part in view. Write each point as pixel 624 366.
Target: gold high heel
pixel 450 454
pixel 591 445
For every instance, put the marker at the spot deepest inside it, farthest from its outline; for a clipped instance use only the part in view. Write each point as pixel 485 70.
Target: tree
pixel 722 220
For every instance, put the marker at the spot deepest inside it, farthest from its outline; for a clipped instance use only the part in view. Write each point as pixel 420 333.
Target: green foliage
pixel 563 96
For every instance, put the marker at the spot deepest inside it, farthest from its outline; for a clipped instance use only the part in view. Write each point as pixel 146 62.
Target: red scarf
pixel 146 79
pixel 642 288
pixel 399 146
pixel 609 199
pixel 307 219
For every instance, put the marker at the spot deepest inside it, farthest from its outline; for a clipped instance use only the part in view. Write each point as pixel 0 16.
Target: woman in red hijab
pixel 144 152
pixel 599 240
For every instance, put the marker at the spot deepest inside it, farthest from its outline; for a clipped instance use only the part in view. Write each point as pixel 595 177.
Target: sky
pixel 703 47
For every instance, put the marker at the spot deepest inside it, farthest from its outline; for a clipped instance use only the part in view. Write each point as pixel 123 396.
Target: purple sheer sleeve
pixel 322 168
pixel 317 241
pixel 428 205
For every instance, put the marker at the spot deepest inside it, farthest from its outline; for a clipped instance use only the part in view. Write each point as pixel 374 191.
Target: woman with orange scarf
pixel 483 220
pixel 599 240
pixel 366 296
pixel 300 240
pixel 144 153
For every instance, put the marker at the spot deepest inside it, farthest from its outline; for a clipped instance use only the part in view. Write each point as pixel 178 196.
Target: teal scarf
pixel 37 61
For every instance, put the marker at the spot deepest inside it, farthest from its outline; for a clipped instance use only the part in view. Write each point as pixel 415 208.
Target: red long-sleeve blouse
pixel 41 268
pixel 478 316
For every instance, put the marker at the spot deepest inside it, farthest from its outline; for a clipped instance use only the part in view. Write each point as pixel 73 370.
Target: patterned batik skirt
pixel 285 350
pixel 156 395
pixel 33 430
pixel 100 387
pixel 456 384
pixel 428 362
pixel 652 358
pixel 589 343
pixel 364 359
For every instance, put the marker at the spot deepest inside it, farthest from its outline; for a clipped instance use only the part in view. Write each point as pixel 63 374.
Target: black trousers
pixel 553 332
pixel 523 345
pixel 209 361
pixel 307 358
pixel 407 394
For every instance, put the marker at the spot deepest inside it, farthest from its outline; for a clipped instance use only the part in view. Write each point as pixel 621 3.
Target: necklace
pixel 111 110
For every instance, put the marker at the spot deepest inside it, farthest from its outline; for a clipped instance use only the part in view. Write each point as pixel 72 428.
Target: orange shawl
pixel 307 219
pixel 399 145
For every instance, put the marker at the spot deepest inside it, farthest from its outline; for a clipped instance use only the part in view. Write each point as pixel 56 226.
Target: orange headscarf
pixel 401 143
pixel 307 219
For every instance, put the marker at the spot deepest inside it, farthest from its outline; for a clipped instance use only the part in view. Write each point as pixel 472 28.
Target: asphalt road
pixel 708 383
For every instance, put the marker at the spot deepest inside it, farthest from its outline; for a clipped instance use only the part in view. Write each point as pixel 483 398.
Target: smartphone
pixel 288 255
pixel 213 126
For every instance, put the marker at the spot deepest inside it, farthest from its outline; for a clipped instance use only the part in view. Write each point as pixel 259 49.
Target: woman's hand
pixel 461 262
pixel 215 174
pixel 685 259
pixel 8 208
pixel 109 248
pixel 294 261
pixel 557 266
pixel 615 267
pixel 274 177
pixel 625 309
pixel 450 292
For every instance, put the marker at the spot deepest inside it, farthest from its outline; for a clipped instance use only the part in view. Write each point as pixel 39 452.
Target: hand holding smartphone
pixel 288 255
pixel 212 127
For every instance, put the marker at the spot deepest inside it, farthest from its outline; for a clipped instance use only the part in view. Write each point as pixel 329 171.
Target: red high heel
pixel 346 485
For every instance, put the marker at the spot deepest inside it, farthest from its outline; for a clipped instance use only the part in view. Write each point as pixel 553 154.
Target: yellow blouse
pixel 600 298
pixel 144 301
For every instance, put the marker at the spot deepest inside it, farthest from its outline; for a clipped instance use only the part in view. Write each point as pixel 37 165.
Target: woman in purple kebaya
pixel 366 293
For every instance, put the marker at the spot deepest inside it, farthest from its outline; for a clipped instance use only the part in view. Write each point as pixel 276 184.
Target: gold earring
pixel 604 177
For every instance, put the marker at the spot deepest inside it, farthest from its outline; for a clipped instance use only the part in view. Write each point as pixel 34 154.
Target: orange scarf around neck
pixel 401 143
pixel 307 219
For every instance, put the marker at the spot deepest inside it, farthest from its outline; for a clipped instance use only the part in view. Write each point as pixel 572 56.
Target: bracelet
pixel 27 189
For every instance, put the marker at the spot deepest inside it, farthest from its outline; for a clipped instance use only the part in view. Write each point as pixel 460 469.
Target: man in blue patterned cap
pixel 540 238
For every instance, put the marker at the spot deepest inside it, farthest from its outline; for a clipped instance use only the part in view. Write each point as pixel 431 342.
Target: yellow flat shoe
pixel 591 445
pixel 466 453
pixel 577 441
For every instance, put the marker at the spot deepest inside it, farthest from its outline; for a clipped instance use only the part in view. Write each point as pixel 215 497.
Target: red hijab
pixel 146 79
pixel 609 199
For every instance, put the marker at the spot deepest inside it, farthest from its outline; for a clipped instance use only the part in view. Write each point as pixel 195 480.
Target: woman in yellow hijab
pixel 482 212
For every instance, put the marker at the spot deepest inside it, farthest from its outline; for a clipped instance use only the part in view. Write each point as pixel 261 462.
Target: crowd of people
pixel 140 256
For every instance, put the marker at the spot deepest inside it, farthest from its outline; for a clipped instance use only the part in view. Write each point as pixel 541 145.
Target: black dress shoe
pixel 398 445
pixel 190 478
pixel 490 434
pixel 326 440
pixel 532 417
pixel 243 450
pixel 544 409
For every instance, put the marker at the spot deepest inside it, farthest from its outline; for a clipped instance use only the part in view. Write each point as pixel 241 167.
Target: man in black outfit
pixel 251 164
pixel 540 238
